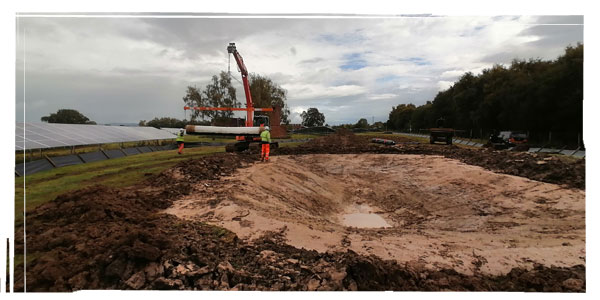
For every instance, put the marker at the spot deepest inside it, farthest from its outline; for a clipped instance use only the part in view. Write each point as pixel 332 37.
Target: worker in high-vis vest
pixel 179 141
pixel 265 141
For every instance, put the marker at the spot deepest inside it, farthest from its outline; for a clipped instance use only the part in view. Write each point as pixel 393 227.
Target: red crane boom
pixel 231 49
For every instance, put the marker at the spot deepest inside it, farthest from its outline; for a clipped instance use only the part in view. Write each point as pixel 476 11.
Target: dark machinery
pixel 441 134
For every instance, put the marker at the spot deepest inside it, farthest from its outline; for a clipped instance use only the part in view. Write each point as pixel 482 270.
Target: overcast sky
pixel 117 70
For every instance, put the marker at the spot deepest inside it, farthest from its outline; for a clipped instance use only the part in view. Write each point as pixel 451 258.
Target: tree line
pixel 67 116
pixel 532 95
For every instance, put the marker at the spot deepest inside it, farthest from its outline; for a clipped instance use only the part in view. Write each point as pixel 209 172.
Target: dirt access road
pixel 444 218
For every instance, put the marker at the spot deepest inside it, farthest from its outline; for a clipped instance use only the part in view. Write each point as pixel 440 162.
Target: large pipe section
pixel 217 130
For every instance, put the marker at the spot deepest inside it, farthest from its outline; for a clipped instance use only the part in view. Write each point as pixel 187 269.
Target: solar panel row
pixel 44 164
pixel 45 135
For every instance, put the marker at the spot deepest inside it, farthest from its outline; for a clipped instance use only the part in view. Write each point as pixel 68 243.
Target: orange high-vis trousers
pixel 264 153
pixel 180 147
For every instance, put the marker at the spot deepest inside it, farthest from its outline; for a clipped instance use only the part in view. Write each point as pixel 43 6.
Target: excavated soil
pixel 228 222
pixel 407 208
pixel 537 166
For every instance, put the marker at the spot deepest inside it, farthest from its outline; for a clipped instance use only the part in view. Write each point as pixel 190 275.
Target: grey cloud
pixel 101 98
pixel 499 58
pixel 551 41
pixel 312 60
pixel 554 35
pixel 193 34
pixel 560 20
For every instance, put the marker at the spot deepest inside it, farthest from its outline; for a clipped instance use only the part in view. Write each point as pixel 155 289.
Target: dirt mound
pixel 537 166
pixel 103 238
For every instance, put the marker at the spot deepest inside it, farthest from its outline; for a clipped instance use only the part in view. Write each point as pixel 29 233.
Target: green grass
pixel 45 186
pixel 370 133
pixel 18 259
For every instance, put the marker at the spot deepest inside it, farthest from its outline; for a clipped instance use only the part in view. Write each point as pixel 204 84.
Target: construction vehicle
pixel 508 139
pixel 441 134
pixel 513 138
pixel 253 125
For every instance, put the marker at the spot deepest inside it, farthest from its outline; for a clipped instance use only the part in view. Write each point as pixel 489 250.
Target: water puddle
pixel 363 220
pixel 362 216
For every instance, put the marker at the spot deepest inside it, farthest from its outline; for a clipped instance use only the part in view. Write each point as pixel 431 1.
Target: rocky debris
pixel 573 284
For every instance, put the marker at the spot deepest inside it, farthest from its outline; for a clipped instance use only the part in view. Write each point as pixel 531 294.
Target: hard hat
pixel 266 127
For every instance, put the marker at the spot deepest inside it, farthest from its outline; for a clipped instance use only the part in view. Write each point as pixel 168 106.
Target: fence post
pixel 578 140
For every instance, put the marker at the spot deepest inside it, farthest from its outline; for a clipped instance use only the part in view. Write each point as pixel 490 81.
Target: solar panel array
pixel 48 135
pixel 174 131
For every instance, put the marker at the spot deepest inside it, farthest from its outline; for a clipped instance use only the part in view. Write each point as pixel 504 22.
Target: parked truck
pixel 440 133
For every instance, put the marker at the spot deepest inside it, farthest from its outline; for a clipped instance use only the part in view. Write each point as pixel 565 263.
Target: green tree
pixel 400 116
pixel 67 116
pixel 266 93
pixel 378 125
pixel 312 117
pixel 193 98
pixel 362 123
pixel 422 117
pixel 218 93
pixel 532 95
pixel 166 122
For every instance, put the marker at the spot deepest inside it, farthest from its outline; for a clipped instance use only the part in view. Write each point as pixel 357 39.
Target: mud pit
pixel 446 220
pixel 430 210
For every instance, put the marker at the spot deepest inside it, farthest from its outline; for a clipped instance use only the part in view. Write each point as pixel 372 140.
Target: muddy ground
pixel 537 166
pixel 170 231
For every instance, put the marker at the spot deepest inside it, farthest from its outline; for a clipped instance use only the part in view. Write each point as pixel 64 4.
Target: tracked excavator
pixel 249 134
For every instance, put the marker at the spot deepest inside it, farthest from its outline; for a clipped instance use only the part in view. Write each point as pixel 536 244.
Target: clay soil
pixel 336 213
